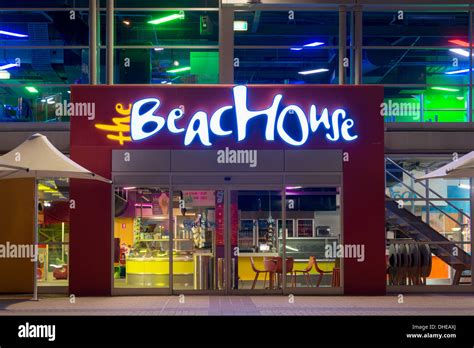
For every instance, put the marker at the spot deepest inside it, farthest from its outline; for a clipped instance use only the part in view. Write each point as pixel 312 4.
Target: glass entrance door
pixel 198 239
pixel 256 259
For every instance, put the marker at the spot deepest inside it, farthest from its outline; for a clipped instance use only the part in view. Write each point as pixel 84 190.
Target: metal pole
pixel 283 236
pixel 110 42
pixel 93 42
pixel 357 45
pixel 471 191
pixel 342 44
pixel 35 267
pixel 226 45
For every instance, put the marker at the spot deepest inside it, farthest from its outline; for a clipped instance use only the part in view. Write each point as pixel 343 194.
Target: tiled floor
pixel 240 305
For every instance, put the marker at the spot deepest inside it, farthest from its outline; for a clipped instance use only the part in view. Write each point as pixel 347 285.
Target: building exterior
pixel 209 195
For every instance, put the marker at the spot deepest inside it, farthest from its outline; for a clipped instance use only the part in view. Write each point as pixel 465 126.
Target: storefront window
pixel 315 215
pixel 141 237
pixel 428 225
pixel 53 232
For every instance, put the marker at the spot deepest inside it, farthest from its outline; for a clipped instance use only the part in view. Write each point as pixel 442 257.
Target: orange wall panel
pixel 16 227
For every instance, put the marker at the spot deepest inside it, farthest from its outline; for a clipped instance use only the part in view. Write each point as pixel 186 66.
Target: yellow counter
pixel 160 265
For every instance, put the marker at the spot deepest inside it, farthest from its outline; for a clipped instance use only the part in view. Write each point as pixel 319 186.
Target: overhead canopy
pixel 38 158
pixel 461 168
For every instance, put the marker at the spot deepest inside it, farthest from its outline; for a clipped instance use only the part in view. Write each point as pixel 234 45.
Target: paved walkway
pixel 240 305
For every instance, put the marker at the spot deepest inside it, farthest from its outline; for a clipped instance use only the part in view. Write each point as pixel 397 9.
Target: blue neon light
pixel 336 127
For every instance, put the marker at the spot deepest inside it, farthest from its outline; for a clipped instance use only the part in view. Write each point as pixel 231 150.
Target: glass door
pixel 198 238
pixel 256 257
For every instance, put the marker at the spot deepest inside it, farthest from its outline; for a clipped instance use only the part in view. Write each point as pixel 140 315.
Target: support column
pixel 226 45
pixel 93 42
pixel 357 45
pixel 342 43
pixel 110 42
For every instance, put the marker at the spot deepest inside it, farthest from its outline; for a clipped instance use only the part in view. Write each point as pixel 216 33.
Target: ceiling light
pixel 126 22
pixel 174 71
pixel 4 75
pixel 315 71
pixel 31 89
pixel 460 51
pixel 7 66
pixel 445 89
pixel 9 33
pixel 460 98
pixel 455 72
pixel 296 48
pixel 459 42
pixel 167 18
pixel 314 44
pixel 241 26
pixel 456 229
pixel 158 48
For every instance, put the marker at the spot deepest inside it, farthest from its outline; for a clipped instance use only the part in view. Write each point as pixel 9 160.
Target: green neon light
pixel 240 26
pixel 446 89
pixel 167 18
pixel 31 89
pixel 173 71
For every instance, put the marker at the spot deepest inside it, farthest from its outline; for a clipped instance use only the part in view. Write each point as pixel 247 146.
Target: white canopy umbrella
pixel 460 168
pixel 37 158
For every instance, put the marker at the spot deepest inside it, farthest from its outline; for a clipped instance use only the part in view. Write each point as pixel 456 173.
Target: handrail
pixel 429 189
pixel 444 213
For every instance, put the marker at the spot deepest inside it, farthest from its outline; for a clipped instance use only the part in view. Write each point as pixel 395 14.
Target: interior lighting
pixel 31 89
pixel 460 51
pixel 315 71
pixel 241 26
pixel 174 71
pixel 459 42
pixel 314 44
pixel 446 89
pixel 9 33
pixel 4 75
pixel 7 66
pixel 167 18
pixel 456 72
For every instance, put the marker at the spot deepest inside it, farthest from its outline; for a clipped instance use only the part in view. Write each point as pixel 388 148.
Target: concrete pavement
pixel 426 304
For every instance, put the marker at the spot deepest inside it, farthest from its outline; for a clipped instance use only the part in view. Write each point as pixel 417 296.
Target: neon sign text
pixel 144 124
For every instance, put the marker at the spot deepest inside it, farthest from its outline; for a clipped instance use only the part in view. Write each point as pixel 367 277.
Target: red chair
pixel 270 266
pixel 257 273
pixel 320 271
pixel 279 267
pixel 60 272
pixel 305 272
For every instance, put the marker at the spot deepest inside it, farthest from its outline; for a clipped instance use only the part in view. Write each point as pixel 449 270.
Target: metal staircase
pixel 401 220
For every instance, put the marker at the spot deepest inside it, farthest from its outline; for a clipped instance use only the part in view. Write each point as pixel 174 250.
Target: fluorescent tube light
pixel 315 71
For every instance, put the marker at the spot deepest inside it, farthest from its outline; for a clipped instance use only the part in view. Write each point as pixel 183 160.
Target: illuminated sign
pixel 146 120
